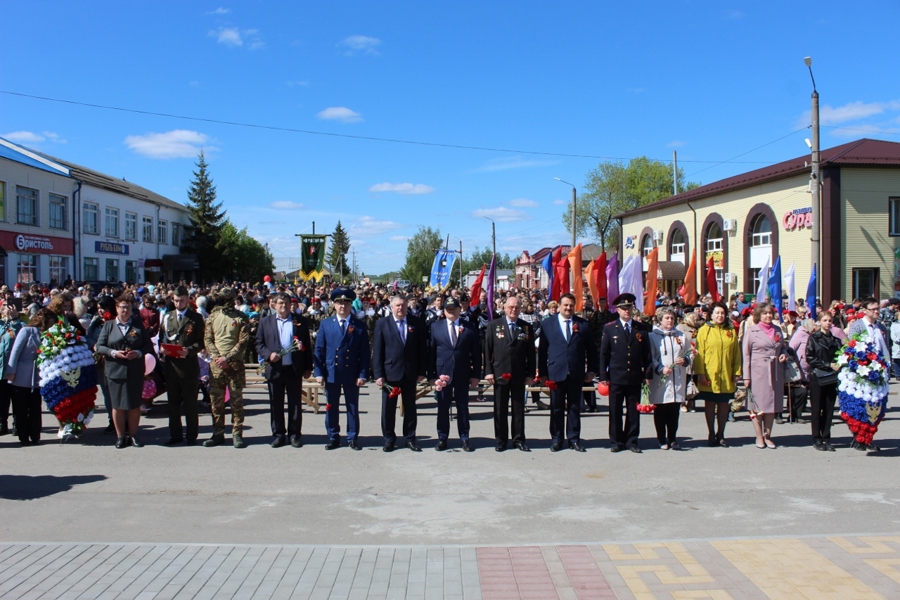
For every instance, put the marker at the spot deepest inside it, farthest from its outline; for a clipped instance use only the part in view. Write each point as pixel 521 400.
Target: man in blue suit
pixel 341 363
pixel 400 347
pixel 456 354
pixel 566 354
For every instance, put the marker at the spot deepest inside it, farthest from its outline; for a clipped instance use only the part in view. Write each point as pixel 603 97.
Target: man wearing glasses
pixel 869 325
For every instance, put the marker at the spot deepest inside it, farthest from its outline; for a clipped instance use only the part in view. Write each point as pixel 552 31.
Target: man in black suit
pixel 400 347
pixel 283 340
pixel 625 365
pixel 184 328
pixel 566 353
pixel 509 366
pixel 455 354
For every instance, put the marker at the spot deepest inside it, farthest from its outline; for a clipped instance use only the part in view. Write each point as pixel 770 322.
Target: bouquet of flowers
pixel 644 406
pixel 441 382
pixel 862 386
pixel 393 391
pixel 68 377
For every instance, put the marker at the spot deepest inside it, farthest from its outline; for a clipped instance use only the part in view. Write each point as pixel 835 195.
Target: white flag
pixel 762 292
pixel 789 284
pixel 625 277
pixel 637 277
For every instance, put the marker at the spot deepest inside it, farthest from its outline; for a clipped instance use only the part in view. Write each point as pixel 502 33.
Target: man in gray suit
pixel 869 325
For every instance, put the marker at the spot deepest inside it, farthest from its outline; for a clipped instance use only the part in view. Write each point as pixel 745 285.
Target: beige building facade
pixel 745 222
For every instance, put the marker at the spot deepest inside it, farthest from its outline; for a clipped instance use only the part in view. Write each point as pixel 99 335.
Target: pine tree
pixel 337 254
pixel 207 219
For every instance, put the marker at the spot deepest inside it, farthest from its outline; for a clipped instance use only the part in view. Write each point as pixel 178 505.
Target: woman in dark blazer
pixel 124 342
pixel 821 354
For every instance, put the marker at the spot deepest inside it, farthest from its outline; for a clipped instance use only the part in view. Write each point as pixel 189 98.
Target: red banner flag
pixel 577 283
pixel 476 288
pixel 652 282
pixel 690 282
pixel 711 282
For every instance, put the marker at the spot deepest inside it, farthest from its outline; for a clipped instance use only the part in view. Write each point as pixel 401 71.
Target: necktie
pixel 180 317
pixel 512 331
pixel 453 334
pixel 343 328
pixel 402 329
pixel 568 330
pixel 628 327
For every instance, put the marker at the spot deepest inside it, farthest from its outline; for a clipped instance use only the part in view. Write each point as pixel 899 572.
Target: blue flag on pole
pixel 811 292
pixel 775 287
pixel 547 264
pixel 440 270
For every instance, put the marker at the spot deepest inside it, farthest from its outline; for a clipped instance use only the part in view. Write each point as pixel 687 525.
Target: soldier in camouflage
pixel 227 335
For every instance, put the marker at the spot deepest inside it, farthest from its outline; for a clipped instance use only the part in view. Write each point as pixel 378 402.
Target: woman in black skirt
pixel 821 350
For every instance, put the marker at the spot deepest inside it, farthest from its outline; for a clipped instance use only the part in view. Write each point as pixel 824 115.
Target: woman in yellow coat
pixel 718 369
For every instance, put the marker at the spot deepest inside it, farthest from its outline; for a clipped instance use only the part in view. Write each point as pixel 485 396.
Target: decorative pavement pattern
pixel 815 568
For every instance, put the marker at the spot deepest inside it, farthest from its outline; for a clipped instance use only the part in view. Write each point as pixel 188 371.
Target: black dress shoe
pixel 173 441
pixel 412 446
pixel 521 446
pixel 190 442
pixel 122 442
pixel 635 449
pixel 296 442
pixel 713 441
pixel 4 428
pixel 541 405
pixel 556 447
pixel 388 447
pixel 279 441
pixel 500 447
pixel 355 445
pixel 722 441
pixel 466 447
pixel 441 445
pixel 829 447
pixel 577 447
pixel 333 445
pixel 136 442
pixel 215 440
pixel 616 448
pixel 820 446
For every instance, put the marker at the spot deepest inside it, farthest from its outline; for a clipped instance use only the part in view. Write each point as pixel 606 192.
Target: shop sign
pixel 33 243
pixel 36 244
pixel 797 219
pixel 110 248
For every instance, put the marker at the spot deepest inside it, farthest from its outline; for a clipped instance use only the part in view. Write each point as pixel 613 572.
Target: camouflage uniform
pixel 227 335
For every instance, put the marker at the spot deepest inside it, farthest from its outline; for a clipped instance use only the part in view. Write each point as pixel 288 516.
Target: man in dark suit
pixel 184 328
pixel 341 361
pixel 456 355
pixel 400 349
pixel 566 353
pixel 625 365
pixel 283 340
pixel 509 367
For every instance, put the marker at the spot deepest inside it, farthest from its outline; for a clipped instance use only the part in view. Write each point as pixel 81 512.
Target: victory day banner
pixel 440 270
pixel 312 260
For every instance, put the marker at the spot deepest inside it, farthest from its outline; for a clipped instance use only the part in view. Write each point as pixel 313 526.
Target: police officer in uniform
pixel 227 335
pixel 625 359
pixel 184 328
pixel 341 363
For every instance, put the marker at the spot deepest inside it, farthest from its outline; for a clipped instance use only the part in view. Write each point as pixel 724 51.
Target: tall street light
pixel 573 208
pixel 816 189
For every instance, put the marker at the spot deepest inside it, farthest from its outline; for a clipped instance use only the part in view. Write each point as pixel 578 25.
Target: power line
pixel 358 137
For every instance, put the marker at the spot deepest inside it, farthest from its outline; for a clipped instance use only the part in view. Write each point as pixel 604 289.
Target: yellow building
pixel 745 220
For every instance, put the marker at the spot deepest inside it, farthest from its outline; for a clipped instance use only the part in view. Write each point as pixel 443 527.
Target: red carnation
pixel 395 391
pixel 551 384
pixel 506 376
pixel 852 343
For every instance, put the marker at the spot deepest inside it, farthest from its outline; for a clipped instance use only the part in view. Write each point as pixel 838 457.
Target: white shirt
pixel 562 324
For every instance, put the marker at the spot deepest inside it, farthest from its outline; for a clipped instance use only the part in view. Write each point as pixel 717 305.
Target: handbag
pixel 826 376
pixel 692 390
pixel 791 372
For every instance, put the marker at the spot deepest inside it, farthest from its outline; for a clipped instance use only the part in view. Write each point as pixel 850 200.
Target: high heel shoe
pixel 122 442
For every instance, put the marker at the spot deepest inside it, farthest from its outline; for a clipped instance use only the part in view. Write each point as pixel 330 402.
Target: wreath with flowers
pixel 68 377
pixel 862 386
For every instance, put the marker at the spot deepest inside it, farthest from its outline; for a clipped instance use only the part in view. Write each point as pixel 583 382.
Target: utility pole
pixel 574 206
pixel 814 176
pixel 461 282
pixel 675 171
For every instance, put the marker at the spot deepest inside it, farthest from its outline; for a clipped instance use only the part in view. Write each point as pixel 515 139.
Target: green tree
pixel 336 259
pixel 245 259
pixel 420 254
pixel 207 219
pixel 613 188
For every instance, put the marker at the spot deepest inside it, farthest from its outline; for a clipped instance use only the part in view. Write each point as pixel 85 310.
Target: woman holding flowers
pixel 718 369
pixel 9 328
pixel 671 354
pixel 24 378
pixel 821 356
pixel 763 371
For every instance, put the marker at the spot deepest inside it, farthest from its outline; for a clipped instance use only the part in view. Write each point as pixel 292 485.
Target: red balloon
pixel 267 279
pixel 603 389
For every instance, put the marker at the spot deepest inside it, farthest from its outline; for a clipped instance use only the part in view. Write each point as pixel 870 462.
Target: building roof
pixel 22 155
pixel 120 186
pixel 864 152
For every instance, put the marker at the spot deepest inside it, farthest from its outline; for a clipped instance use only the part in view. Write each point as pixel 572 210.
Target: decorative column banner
pixel 312 259
pixel 441 269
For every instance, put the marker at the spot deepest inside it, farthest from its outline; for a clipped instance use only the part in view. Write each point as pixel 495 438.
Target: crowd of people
pixel 731 356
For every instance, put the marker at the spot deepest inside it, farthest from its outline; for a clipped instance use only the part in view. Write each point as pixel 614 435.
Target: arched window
pixel 646 245
pixel 760 244
pixel 715 246
pixel 677 246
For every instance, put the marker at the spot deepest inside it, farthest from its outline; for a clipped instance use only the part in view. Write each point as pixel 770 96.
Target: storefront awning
pixel 671 270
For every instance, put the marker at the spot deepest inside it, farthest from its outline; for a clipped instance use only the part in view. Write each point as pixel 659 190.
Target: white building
pixel 60 220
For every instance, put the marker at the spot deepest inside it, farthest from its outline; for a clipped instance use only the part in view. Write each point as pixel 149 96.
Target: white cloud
pixel 219 11
pixel 560 202
pixel 676 144
pixel 402 188
pixel 852 111
pixel 504 164
pixel 360 43
pixel 30 137
pixel 366 227
pixel 501 214
pixel 178 143
pixel 399 238
pixel 523 203
pixel 735 14
pixel 340 113
pixel 285 205
pixel 236 38
pixel 300 83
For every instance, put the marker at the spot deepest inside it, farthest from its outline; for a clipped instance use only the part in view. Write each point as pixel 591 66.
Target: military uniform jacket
pixel 189 334
pixel 625 359
pixel 227 334
pixel 268 340
pixel 342 358
pixel 509 352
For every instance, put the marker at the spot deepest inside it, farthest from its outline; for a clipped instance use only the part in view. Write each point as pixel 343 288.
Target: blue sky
pixel 723 83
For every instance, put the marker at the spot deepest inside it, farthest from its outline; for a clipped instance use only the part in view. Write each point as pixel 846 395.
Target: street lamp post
pixel 814 177
pixel 573 208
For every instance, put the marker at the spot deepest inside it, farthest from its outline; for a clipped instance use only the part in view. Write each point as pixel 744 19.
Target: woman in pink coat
pixel 763 371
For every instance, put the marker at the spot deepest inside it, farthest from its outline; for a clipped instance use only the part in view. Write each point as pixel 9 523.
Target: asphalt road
pixel 89 491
